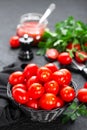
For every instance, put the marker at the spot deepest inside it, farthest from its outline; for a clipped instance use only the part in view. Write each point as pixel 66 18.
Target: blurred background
pixel 11 10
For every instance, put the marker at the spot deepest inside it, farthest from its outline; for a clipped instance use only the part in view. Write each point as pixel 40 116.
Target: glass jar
pixel 29 25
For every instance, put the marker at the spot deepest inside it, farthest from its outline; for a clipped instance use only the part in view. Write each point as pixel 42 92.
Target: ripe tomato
pixel 52 67
pixel 85 85
pixel 76 46
pixel 31 80
pixel 19 86
pixel 44 74
pixel 32 103
pixel 81 56
pixel 51 87
pixel 62 76
pixel 20 95
pixel 14 42
pixel 82 95
pixel 16 77
pixel 35 91
pixel 52 54
pixel 30 70
pixel 64 58
pixel 67 94
pixel 48 101
pixel 60 103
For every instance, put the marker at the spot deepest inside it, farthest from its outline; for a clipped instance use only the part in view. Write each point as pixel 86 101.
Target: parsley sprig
pixel 69 30
pixel 74 111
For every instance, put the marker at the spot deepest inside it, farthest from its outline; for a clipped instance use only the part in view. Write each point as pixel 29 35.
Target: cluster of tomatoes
pixel 46 87
pixel 64 57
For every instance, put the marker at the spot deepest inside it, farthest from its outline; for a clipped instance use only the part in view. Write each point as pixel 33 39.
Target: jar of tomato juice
pixel 29 25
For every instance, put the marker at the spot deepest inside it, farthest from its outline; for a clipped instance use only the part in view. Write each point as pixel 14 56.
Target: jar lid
pixel 26 39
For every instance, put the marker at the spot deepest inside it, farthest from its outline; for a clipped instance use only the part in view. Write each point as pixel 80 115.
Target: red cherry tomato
pixel 82 95
pixel 31 80
pixel 76 46
pixel 48 101
pixel 60 103
pixel 52 54
pixel 44 74
pixel 52 87
pixel 16 77
pixel 85 85
pixel 35 91
pixel 32 103
pixel 30 70
pixel 62 76
pixel 81 56
pixel 52 67
pixel 67 93
pixel 20 95
pixel 19 86
pixel 64 58
pixel 14 42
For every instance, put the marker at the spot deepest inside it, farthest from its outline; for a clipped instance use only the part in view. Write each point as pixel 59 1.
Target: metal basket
pixel 40 115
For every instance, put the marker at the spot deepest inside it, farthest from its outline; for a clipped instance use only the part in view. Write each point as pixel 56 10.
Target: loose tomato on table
pixel 48 101
pixel 82 95
pixel 16 77
pixel 14 42
pixel 74 46
pixel 44 74
pixel 64 58
pixel 80 56
pixel 51 87
pixel 36 90
pixel 62 76
pixel 67 94
pixel 51 54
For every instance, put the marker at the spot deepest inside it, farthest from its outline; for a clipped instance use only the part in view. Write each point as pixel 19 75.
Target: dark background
pixel 10 12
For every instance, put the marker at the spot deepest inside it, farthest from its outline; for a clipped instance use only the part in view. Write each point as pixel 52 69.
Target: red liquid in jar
pixel 32 29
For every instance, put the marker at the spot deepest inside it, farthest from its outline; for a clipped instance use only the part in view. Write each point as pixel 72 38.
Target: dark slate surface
pixel 10 12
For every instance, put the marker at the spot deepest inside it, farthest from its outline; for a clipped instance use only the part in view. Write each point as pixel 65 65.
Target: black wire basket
pixel 40 115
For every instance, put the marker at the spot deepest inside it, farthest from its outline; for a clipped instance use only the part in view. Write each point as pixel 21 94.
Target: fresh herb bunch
pixel 75 110
pixel 65 32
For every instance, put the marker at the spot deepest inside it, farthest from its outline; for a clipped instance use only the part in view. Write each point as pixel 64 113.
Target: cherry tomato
pixel 16 77
pixel 14 42
pixel 81 56
pixel 19 86
pixel 62 76
pixel 76 46
pixel 67 93
pixel 85 85
pixel 44 74
pixel 48 101
pixel 64 58
pixel 30 70
pixel 82 95
pixel 35 91
pixel 20 95
pixel 52 54
pixel 52 87
pixel 52 67
pixel 31 80
pixel 32 103
pixel 60 103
